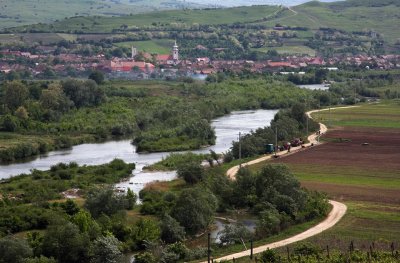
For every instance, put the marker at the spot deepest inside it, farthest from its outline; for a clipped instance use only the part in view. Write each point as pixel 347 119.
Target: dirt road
pixel 334 216
pixel 313 140
pixel 337 212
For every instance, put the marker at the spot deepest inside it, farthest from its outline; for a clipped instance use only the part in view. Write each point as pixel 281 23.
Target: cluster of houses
pixel 162 65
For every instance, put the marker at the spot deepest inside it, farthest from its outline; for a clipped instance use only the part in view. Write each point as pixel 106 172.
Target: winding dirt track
pixel 337 212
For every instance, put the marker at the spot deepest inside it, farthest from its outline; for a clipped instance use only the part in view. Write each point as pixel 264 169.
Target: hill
pixel 350 16
pixel 101 24
pixel 25 12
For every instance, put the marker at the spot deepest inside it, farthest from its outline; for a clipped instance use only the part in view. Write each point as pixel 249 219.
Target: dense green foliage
pixel 175 160
pixel 194 209
pixel 162 116
pixel 192 173
pixel 289 124
pixel 47 185
pixel 107 202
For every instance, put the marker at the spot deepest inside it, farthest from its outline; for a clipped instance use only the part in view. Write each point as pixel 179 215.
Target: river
pixel 226 129
pixel 315 87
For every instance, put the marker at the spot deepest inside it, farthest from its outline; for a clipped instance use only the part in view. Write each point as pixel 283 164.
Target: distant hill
pixel 25 12
pixel 233 3
pixel 351 16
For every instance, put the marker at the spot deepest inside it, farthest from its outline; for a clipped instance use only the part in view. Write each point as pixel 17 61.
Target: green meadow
pixel 158 46
pixel 378 115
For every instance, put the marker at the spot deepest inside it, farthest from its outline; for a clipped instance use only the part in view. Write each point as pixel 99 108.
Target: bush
pixel 14 250
pixel 269 256
pixel 145 257
pixel 192 173
pixel 195 209
pixel 171 230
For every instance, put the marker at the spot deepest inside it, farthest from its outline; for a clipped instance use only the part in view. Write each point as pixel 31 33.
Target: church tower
pixel 175 52
pixel 134 52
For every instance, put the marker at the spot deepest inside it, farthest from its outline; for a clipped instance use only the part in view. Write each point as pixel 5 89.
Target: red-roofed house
pixel 129 65
pixel 279 64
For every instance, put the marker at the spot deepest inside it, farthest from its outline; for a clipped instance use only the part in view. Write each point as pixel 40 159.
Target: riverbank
pixel 162 116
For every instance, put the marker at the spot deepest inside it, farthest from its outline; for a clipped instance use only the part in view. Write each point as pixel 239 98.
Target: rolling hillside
pixel 352 15
pixel 101 24
pixel 25 12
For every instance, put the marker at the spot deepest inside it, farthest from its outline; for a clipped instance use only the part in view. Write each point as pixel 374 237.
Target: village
pixel 46 63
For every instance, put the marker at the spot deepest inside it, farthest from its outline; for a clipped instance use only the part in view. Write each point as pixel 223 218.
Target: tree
pixel 83 93
pixel 97 76
pixel 70 207
pixel 104 201
pixel 106 250
pixel 171 230
pixel 269 256
pixel 15 94
pixel 131 199
pixel 145 230
pixel 145 257
pixel 14 250
pixel 298 112
pixel 86 224
pixel 192 173
pixel 195 209
pixel 10 124
pixel 64 242
pixel 53 98
pixel 234 234
pixel 22 113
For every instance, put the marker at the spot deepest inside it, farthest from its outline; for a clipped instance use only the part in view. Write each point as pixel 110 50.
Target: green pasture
pixel 289 50
pixel 158 46
pixel 379 115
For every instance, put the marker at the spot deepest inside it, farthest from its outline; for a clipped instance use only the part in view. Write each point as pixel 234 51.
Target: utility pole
pixel 307 117
pixel 330 105
pixel 276 139
pixel 240 150
pixel 209 248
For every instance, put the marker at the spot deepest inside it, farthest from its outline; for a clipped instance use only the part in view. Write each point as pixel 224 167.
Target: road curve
pixel 313 139
pixel 336 214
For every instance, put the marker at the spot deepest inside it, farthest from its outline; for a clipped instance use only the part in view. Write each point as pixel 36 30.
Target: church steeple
pixel 175 52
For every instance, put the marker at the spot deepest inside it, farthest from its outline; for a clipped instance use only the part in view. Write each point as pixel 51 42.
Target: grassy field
pixel 158 46
pixel 368 180
pixel 381 115
pixel 25 12
pixel 290 50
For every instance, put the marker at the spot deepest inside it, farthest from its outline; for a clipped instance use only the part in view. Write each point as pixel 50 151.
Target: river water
pixel 315 87
pixel 226 128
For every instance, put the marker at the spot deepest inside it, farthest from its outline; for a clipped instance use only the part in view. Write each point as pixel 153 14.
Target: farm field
pixel 291 50
pixel 365 177
pixel 158 46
